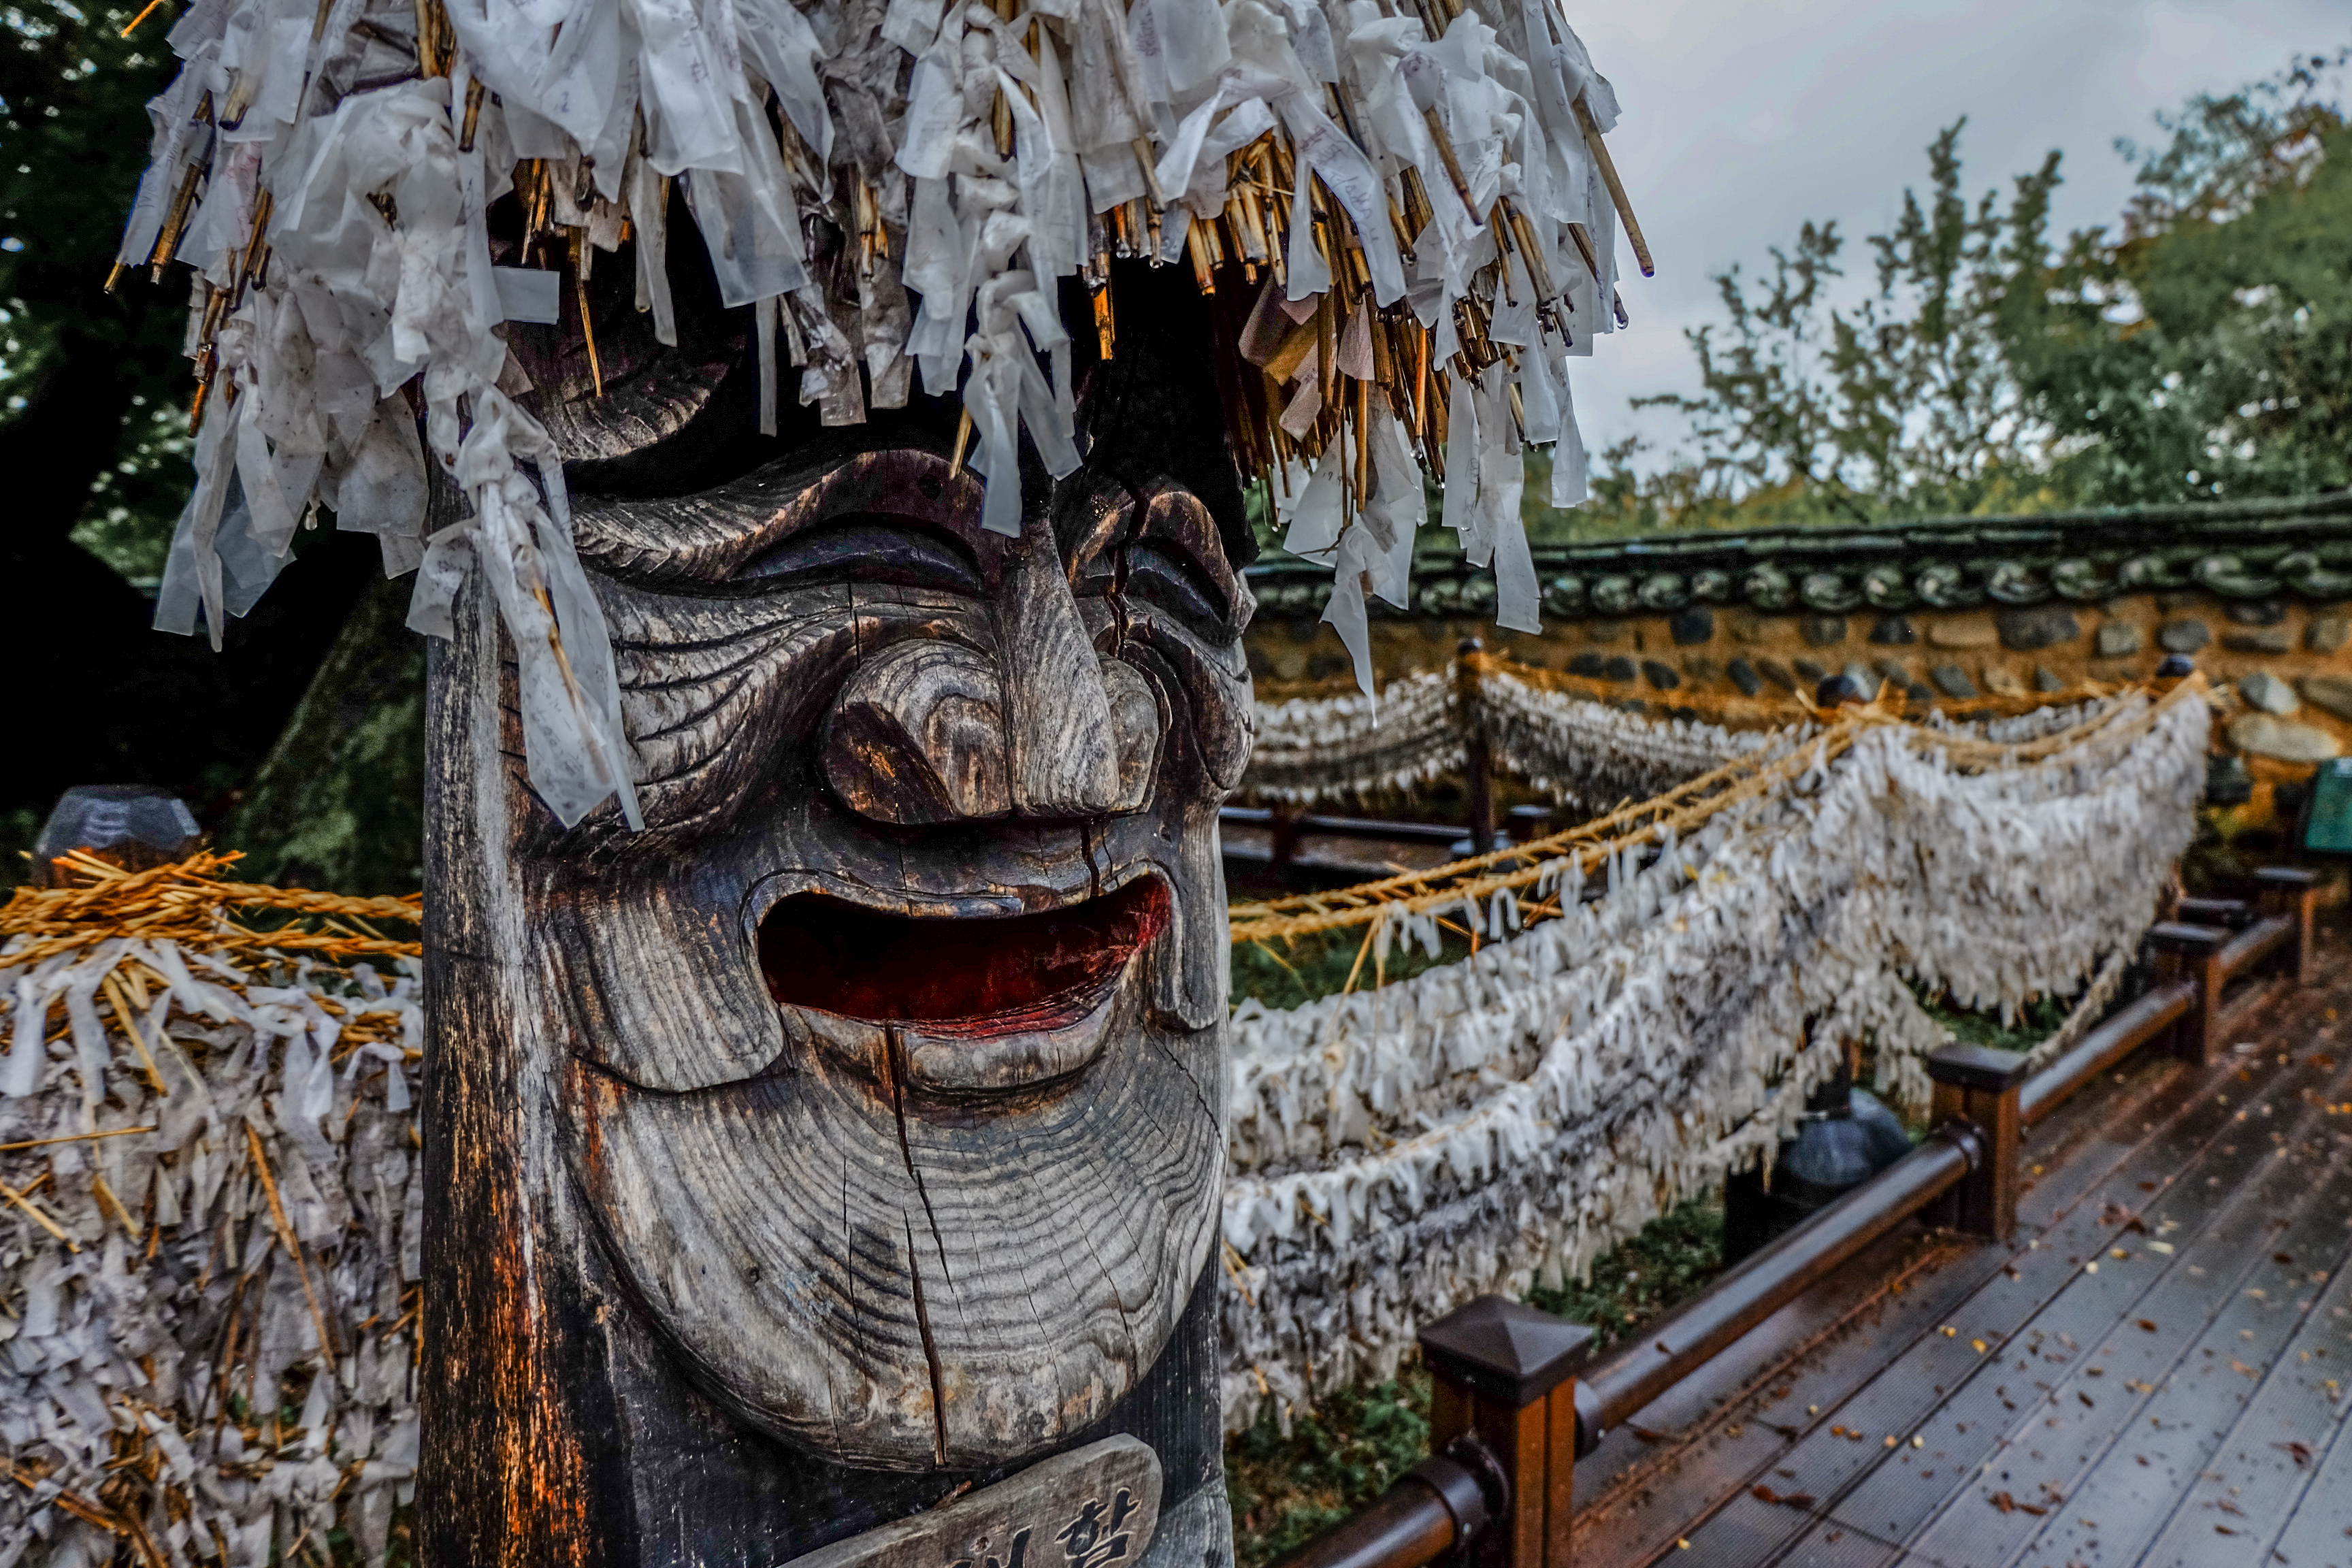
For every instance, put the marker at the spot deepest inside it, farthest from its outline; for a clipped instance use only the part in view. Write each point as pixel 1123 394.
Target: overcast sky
pixel 1742 119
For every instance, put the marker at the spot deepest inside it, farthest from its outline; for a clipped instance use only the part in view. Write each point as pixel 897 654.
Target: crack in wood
pixel 895 1057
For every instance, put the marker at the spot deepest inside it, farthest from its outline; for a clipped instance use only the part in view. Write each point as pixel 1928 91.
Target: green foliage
pixel 1670 1260
pixel 2036 1022
pixel 2202 348
pixel 1287 1490
pixel 339 801
pixel 2206 348
pixel 73 145
pixel 1294 970
pixel 1899 404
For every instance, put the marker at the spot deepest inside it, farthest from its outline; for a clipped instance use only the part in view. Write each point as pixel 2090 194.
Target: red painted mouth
pixel 963 976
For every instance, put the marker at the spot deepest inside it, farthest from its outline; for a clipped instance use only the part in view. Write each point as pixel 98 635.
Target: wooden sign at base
pixel 1094 1507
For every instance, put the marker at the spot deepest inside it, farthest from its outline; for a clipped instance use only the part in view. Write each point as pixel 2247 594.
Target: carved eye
pixel 904 550
pixel 1162 572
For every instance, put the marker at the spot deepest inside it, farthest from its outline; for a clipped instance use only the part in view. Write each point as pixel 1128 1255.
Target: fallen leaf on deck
pixel 2237 1365
pixel 2149 1324
pixel 2302 1451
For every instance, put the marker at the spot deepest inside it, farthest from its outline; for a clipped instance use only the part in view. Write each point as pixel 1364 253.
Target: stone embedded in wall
pixel 2266 691
pixel 2044 680
pixel 1618 669
pixel 1920 691
pixel 1962 634
pixel 1750 628
pixel 1862 675
pixel 1807 670
pixel 2227 781
pixel 1779 674
pixel 2326 634
pixel 2184 635
pixel 2329 694
pixel 1692 626
pixel 1894 669
pixel 2256 612
pixel 1743 675
pixel 1661 676
pixel 2120 639
pixel 2262 639
pixel 1894 631
pixel 2003 681
pixel 1953 682
pixel 1588 665
pixel 2029 631
pixel 2267 736
pixel 1824 631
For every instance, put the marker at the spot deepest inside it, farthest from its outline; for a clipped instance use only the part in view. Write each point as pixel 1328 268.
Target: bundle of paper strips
pixel 1653 995
pixel 1564 735
pixel 210 1165
pixel 1413 202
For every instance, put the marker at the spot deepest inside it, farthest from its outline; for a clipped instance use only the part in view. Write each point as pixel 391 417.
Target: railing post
pixel 1978 1086
pixel 1476 767
pixel 2187 952
pixel 1506 1377
pixel 2291 891
pixel 1285 826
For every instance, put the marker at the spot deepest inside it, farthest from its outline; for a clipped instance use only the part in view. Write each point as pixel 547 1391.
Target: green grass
pixel 1293 971
pixel 2036 1022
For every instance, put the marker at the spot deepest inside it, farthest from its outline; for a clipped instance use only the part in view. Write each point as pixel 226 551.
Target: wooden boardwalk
pixel 2156 1371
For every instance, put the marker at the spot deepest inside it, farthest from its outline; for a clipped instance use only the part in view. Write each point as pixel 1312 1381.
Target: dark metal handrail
pixel 1744 1296
pixel 2130 1028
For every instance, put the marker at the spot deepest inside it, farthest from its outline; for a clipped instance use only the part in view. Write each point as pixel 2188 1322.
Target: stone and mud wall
pixel 2284 669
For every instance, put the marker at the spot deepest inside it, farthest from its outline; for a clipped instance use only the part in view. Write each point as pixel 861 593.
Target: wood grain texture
pixel 717 1281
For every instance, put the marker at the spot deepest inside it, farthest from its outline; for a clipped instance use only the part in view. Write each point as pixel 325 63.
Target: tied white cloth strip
pixel 347 286
pixel 1503 1119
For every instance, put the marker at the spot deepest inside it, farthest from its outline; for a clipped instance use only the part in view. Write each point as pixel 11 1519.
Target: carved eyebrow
pixel 706 538
pixel 1177 517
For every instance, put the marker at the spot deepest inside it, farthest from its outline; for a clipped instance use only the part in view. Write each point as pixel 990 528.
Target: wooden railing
pixel 1515 1404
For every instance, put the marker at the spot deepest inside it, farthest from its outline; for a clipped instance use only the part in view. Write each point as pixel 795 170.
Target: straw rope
pixel 1678 810
pixel 187 902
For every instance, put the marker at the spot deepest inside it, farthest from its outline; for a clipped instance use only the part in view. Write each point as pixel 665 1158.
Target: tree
pixel 2201 347
pixel 93 398
pixel 2206 348
pixel 93 391
pixel 1899 404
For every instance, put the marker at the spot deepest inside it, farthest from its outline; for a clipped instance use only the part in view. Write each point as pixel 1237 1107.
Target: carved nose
pixel 928 731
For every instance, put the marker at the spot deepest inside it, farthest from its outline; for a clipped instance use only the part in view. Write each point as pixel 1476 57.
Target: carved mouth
pixel 975 1003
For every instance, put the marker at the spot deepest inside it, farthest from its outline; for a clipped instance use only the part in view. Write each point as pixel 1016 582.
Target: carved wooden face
pixel 894 1082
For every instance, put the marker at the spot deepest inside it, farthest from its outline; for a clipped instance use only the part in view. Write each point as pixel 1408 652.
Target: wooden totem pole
pixel 847 1142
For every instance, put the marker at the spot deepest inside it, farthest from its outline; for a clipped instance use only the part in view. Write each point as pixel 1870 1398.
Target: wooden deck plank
pixel 2061 1451
pixel 2238 1508
pixel 1729 1424
pixel 1824 1466
pixel 2319 1534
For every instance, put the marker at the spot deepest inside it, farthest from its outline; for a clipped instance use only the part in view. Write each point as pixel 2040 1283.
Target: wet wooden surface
pixel 2155 1372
